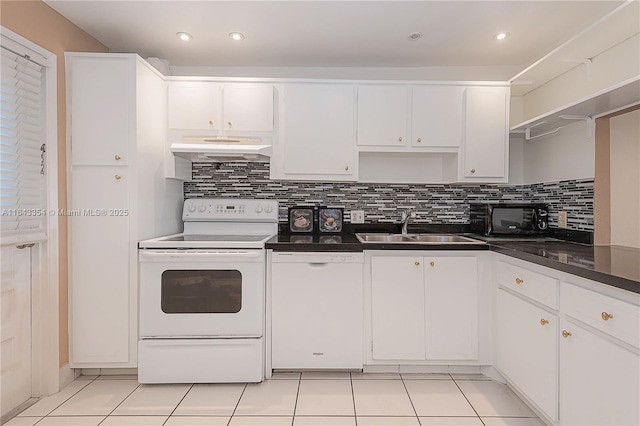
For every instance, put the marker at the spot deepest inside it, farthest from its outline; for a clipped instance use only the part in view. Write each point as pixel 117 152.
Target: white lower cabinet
pixel 316 305
pixel 397 304
pixel 424 308
pixel 599 380
pixel 526 349
pixel 578 363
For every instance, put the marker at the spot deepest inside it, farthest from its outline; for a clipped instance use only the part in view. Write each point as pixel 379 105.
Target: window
pixel 23 199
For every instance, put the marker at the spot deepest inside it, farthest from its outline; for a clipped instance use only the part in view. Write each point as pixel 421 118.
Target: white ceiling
pixel 336 33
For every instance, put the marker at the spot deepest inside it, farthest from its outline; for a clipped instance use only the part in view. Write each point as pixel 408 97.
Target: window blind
pixel 22 149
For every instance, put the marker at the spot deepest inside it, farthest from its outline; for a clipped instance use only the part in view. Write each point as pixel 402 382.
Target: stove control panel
pixel 229 209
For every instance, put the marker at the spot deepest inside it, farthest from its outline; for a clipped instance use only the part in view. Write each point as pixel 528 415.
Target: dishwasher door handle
pixel 318 264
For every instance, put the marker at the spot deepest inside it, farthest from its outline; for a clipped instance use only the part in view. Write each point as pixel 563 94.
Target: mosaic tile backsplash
pixel 384 203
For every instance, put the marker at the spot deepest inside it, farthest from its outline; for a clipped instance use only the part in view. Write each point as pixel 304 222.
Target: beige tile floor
pixel 292 399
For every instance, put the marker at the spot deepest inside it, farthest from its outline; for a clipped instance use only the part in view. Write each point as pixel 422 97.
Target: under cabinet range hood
pixel 223 149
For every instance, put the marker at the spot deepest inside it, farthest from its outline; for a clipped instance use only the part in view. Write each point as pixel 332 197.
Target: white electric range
pixel 202 294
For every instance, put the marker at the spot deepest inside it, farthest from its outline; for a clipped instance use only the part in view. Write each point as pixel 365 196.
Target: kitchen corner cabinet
pixel 575 358
pixel 485 151
pixel 117 196
pixel 231 107
pixel 316 133
pixel 424 308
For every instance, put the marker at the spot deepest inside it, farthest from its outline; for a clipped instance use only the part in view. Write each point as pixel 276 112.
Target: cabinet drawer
pixel 612 316
pixel 538 287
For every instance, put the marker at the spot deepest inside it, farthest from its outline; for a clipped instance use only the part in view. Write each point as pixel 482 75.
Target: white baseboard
pixel 67 375
pixel 108 371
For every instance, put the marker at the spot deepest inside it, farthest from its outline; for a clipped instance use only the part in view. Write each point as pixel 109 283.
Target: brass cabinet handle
pixel 519 281
pixel 210 122
pixel 544 321
pixel 400 139
pixel 432 264
pixel 229 123
pixel 419 140
pixel 118 177
pixel 117 157
pixel 473 170
pixel 606 316
pixel 566 333
pixel 346 168
pixel 417 263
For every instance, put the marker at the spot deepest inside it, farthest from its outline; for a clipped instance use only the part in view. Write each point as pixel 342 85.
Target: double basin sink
pixel 415 238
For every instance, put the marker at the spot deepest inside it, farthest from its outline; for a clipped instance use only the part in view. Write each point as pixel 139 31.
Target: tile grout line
pixel 467 399
pixel 410 400
pixel 295 406
pixel 119 404
pixel 179 402
pixel 63 402
pixel 353 399
pixel 237 403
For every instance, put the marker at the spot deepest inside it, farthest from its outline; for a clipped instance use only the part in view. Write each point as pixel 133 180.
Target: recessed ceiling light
pixel 415 36
pixel 501 36
pixel 236 36
pixel 184 36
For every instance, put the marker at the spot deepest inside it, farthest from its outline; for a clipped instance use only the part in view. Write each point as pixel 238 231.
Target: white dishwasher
pixel 316 310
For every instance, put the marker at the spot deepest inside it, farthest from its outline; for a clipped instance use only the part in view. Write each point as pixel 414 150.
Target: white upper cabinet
pixel 316 133
pixel 383 112
pixel 216 106
pixel 195 105
pixel 485 154
pixel 101 130
pixel 436 119
pixel 403 116
pixel 248 107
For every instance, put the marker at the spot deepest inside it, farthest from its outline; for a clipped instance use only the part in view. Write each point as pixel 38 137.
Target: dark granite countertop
pixel 612 265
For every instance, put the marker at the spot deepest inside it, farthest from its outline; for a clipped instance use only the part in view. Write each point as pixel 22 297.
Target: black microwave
pixel 509 218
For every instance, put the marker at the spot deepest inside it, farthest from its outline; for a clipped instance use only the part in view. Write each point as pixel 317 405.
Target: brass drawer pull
pixel 544 321
pixel 566 333
pixel 519 281
pixel 606 316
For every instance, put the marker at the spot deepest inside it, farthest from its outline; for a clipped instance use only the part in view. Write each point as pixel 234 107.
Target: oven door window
pixel 201 292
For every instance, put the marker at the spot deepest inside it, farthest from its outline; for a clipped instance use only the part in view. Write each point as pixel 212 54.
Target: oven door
pixel 212 293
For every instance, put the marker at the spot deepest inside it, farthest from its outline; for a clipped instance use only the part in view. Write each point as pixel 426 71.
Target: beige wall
pixel 625 179
pixel 40 24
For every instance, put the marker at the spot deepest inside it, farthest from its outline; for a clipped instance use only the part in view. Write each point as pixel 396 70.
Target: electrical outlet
pixel 562 219
pixel 357 216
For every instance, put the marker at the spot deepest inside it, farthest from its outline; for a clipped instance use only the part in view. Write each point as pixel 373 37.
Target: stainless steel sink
pixel 416 238
pixel 386 238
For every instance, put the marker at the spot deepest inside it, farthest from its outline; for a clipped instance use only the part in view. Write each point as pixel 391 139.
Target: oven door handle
pixel 240 255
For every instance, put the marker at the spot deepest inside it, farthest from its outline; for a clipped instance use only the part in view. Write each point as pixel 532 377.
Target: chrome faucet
pixel 405 221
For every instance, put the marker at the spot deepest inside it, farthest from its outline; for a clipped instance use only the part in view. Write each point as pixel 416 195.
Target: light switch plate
pixel 562 219
pixel 357 216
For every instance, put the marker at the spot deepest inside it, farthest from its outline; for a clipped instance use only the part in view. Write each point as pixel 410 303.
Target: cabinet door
pixel 99 255
pixel 485 132
pixel 526 345
pixel 317 315
pixel 436 119
pixel 195 106
pixel 102 125
pixel 397 297
pixel 451 307
pixel 318 130
pixel 248 107
pixel 599 380
pixel 382 115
